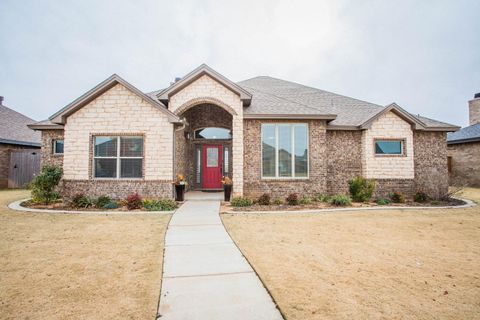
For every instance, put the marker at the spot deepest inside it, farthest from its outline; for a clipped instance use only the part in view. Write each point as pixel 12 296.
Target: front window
pixel 57 146
pixel 388 147
pixel 285 150
pixel 118 157
pixel 213 133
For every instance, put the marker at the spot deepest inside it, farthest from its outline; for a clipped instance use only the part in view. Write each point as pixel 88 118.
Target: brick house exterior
pixel 269 135
pixel 464 149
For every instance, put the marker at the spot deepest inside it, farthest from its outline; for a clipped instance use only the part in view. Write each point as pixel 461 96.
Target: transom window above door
pixel 213 133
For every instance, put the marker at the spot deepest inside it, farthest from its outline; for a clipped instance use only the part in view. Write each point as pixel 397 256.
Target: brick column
pixel 237 153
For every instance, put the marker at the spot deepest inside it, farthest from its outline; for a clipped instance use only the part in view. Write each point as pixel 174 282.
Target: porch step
pixel 203 196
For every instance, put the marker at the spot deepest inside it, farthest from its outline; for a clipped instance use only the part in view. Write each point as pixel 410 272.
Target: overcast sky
pixel 423 55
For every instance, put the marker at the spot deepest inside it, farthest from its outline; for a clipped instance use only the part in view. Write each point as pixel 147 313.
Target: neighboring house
pixel 464 149
pixel 14 136
pixel 268 134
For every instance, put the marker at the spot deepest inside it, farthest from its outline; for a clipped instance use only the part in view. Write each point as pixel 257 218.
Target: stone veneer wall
pixel 388 126
pixel 254 185
pixel 48 158
pixel 344 159
pixel 431 171
pixel 207 90
pixel 465 164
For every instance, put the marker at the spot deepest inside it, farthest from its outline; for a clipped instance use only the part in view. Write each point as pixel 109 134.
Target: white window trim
pixel 54 146
pixel 277 177
pixel 118 159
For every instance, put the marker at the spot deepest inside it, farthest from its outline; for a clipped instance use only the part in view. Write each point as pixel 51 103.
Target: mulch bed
pixel 61 206
pixel 322 205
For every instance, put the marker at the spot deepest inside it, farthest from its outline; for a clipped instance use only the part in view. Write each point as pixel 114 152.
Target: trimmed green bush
pixel 341 200
pixel 264 199
pixel 110 205
pixel 82 201
pixel 159 205
pixel 382 201
pixel 292 199
pixel 420 197
pixel 397 197
pixel 102 201
pixel 43 186
pixel 322 197
pixel 278 202
pixel 305 200
pixel 241 202
pixel 361 189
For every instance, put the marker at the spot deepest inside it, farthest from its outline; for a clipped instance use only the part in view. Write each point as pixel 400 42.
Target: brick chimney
pixel 1 100
pixel 474 109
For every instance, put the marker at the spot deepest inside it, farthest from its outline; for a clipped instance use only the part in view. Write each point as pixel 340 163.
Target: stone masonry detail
pixel 48 158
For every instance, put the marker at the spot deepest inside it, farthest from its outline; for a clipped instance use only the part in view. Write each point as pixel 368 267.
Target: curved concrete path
pixel 205 276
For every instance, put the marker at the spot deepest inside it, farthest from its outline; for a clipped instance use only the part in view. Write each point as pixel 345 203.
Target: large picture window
pixel 117 156
pixel 285 150
pixel 389 147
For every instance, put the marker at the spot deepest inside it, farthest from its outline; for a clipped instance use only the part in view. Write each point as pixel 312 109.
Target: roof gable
pixel 101 88
pixel 165 94
pixel 396 109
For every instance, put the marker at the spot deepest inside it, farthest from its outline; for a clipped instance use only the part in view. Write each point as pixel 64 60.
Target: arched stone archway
pixel 204 100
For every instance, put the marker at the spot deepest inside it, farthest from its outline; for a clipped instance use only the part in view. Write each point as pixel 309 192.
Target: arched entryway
pixel 203 149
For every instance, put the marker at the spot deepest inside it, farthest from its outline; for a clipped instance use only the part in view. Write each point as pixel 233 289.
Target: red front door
pixel 212 160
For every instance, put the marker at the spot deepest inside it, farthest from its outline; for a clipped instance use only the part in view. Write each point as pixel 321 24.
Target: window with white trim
pixel 284 150
pixel 57 146
pixel 117 157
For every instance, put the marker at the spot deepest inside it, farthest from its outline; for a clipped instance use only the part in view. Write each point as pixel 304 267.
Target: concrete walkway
pixel 204 274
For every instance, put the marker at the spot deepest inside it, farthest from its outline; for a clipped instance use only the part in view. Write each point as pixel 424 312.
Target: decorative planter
pixel 227 189
pixel 179 192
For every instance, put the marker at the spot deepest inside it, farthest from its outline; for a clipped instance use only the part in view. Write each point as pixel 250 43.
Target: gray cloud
pixel 423 55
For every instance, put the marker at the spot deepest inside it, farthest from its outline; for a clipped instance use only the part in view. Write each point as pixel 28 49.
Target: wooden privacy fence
pixel 24 166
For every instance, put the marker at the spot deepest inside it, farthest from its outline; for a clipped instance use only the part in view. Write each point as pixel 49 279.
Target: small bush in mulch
pixel 322 197
pixel 397 197
pixel 361 189
pixel 341 200
pixel 102 201
pixel 382 201
pixel 111 205
pixel 420 197
pixel 44 184
pixel 159 205
pixel 277 202
pixel 264 199
pixel 80 200
pixel 134 201
pixel 305 200
pixel 241 202
pixel 292 199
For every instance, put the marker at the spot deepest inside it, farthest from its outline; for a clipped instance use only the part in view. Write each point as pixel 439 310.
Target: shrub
pixel 340 200
pixel 82 201
pixel 264 199
pixel 241 202
pixel 420 197
pixel 110 205
pixel 292 199
pixel 102 201
pixel 278 202
pixel 435 202
pixel 43 186
pixel 134 201
pixel 322 197
pixel 361 189
pixel 159 205
pixel 305 200
pixel 397 197
pixel 382 201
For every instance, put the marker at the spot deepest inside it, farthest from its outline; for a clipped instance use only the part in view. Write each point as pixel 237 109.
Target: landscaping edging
pixel 16 205
pixel 468 204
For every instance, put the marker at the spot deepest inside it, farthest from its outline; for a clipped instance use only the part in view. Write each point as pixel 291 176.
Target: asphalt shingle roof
pixel 13 128
pixel 470 133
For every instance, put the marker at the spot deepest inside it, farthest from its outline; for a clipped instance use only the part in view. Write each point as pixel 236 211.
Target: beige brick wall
pixel 210 90
pixel 388 126
pixel 119 111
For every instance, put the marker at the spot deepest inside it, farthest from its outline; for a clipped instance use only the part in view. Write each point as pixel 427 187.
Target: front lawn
pixel 413 264
pixel 71 266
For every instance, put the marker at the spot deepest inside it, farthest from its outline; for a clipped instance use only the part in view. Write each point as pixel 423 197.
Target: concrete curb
pixel 16 206
pixel 468 204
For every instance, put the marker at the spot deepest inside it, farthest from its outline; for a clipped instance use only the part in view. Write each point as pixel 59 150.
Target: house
pixel 464 149
pixel 16 136
pixel 269 135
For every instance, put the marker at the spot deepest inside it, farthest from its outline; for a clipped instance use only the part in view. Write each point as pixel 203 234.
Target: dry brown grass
pixel 56 266
pixel 412 264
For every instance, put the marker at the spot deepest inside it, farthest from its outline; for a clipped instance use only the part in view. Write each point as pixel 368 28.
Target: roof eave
pixel 45 126
pixel 290 116
pixel 477 139
pixel 203 69
pixel 21 143
pixel 60 116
